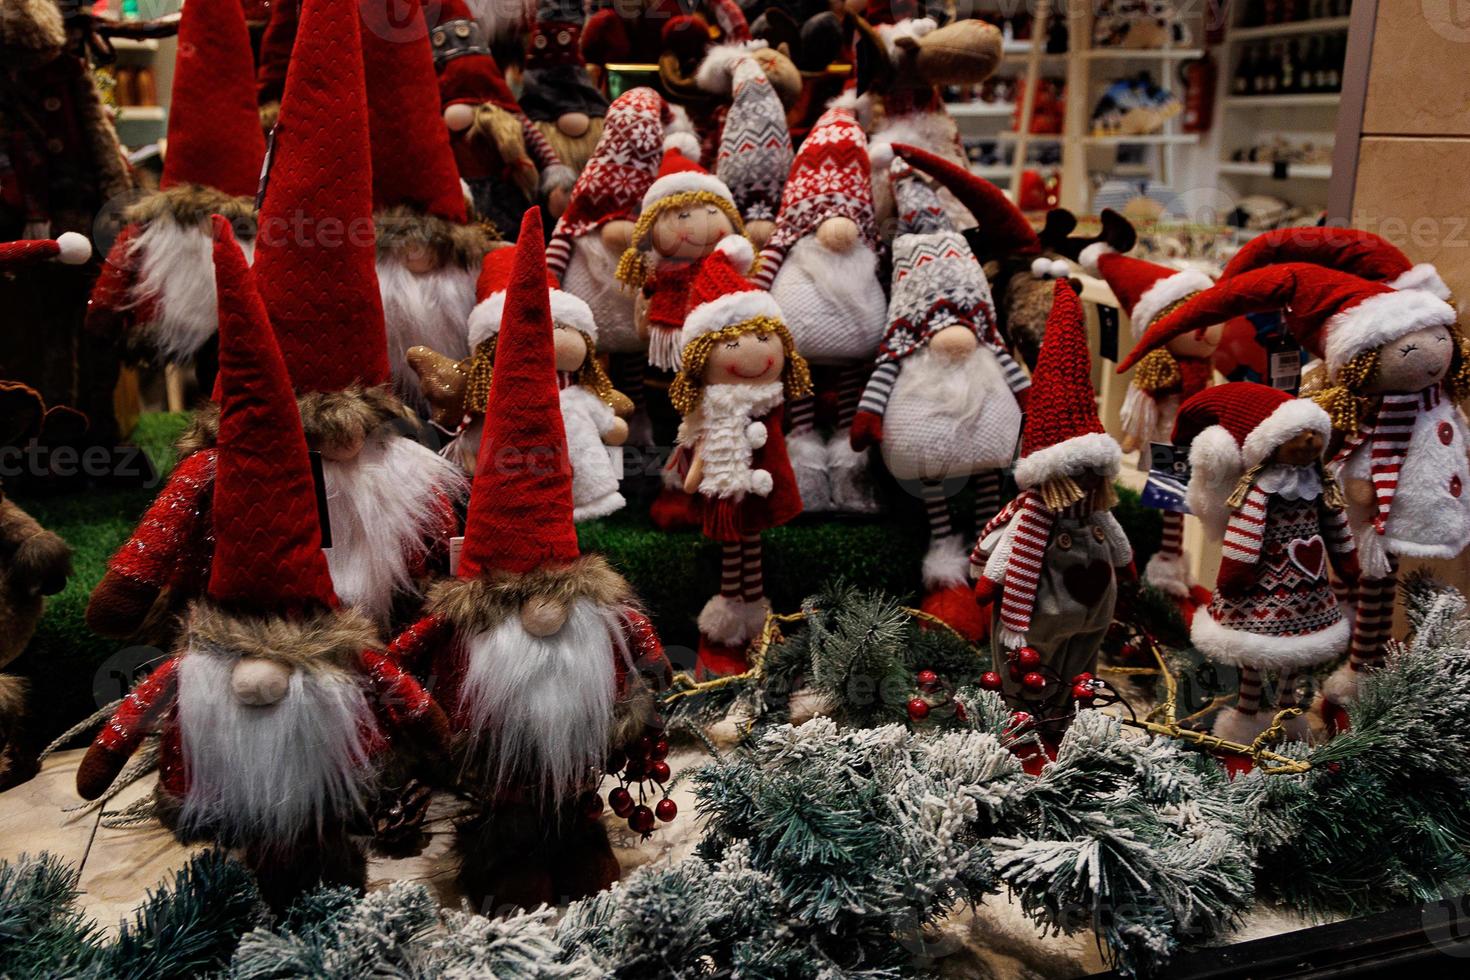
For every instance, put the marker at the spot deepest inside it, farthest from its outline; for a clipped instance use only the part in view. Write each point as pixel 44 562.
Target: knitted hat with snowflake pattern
pixel 830 177
pixel 268 541
pixel 1062 435
pixel 1351 250
pixel 69 247
pixel 1144 289
pixel 490 291
pixel 1238 425
pixel 315 258
pixel 520 512
pixel 755 153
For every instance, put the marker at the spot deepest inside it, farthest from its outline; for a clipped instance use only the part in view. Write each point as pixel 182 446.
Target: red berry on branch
pixel 1029 658
pixel 1082 678
pixel 959 711
pixel 990 680
pixel 666 810
pixel 643 748
pixel 642 819
pixel 637 770
pixel 1020 719
pixel 1033 682
pixel 660 749
pixel 928 680
pixel 918 709
pixel 621 801
pixel 1083 692
pixel 659 771
pixel 591 805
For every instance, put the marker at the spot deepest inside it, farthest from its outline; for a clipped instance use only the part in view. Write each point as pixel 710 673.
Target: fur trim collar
pixel 401 228
pixel 479 604
pixel 332 638
pixel 325 416
pixel 190 204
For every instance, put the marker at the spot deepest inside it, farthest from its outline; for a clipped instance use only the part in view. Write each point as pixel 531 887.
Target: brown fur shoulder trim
pixel 203 430
pixel 12 699
pixel 331 638
pixel 400 228
pixel 190 204
pixel 481 603
pixel 325 416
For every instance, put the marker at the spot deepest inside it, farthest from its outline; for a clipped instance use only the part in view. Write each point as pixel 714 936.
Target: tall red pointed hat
pixel 412 160
pixel 315 254
pixel 268 548
pixel 214 135
pixel 1361 253
pixel 520 513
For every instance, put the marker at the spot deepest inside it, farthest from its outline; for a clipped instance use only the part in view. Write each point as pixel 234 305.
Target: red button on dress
pixel 1455 485
pixel 1446 433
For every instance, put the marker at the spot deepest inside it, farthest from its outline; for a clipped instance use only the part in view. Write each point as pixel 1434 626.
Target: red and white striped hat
pixel 490 289
pixel 69 247
pixel 1351 250
pixel 1240 424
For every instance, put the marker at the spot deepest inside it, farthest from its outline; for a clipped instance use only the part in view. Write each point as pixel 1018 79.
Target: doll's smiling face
pixel 1414 362
pixel 690 232
pixel 751 359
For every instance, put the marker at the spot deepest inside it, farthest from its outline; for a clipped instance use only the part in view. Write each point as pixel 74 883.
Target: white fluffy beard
pixel 955 390
pixel 832 301
pixel 429 308
pixel 271 774
pixel 591 277
pixel 540 708
pixel 383 505
pixel 175 265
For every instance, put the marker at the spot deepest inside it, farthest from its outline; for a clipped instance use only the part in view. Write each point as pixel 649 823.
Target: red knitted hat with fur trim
pixel 1352 250
pixel 520 513
pixel 315 255
pixel 268 540
pixel 1146 289
pixel 467 71
pixel 412 161
pixel 1257 417
pixel 214 136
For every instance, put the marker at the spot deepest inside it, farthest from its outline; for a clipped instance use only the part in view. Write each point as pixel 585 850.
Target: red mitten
pixel 985 590
pixel 1023 396
pixel 1127 573
pixel 1235 577
pixel 119 606
pixel 99 768
pixel 867 430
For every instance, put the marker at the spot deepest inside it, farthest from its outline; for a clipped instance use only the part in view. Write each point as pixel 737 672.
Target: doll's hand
pixel 617 434
pixel 867 430
pixel 756 435
pixel 761 482
pixel 99 768
pixel 119 605
pixel 1235 578
pixel 985 590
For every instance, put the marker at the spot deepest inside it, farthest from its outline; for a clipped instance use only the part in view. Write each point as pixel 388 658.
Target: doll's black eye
pixel 764 338
pixel 732 345
pixel 1408 349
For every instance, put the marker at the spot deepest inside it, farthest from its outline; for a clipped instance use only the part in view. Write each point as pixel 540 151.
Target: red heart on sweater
pixel 1310 555
pixel 1087 583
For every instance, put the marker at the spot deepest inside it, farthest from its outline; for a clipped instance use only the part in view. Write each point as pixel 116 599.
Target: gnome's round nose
pixel 956 343
pixel 259 682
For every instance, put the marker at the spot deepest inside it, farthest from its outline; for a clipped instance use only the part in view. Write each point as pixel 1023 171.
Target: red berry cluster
pixel 934 695
pixel 642 766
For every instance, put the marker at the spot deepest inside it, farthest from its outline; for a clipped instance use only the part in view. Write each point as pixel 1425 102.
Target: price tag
pixel 1168 478
pixel 323 515
pixel 1107 331
pixel 456 546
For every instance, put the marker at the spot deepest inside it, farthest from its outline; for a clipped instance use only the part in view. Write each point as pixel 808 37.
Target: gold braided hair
pixel 593 376
pixel 632 269
pixel 478 370
pixel 1457 382
pixel 688 384
pixel 1061 492
pixel 1158 371
pixel 1331 489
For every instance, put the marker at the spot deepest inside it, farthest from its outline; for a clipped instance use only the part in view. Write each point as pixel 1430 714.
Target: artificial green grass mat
pixel 73 671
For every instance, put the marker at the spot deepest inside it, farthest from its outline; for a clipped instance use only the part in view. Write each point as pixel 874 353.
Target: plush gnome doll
pixel 428 251
pixel 755 154
pixel 538 652
pixel 1054 553
pixel 1256 481
pixel 739 367
pixel 389 498
pixel 821 266
pixel 587 397
pixel 1162 379
pixel 1396 367
pixel 557 94
pixel 156 290
pixel 685 214
pixel 589 239
pixel 942 399
pixel 277 699
pixel 502 156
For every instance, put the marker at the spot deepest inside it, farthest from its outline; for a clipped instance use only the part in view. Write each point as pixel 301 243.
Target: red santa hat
pixel 490 291
pixel 69 247
pixel 1334 315
pixel 678 175
pixel 412 160
pixel 831 177
pixel 520 511
pixel 468 73
pixel 1351 250
pixel 1238 425
pixel 1144 289
pixel 1001 228
pixel 268 542
pixel 1062 434
pixel 214 136
pixel 721 296
pixel 315 256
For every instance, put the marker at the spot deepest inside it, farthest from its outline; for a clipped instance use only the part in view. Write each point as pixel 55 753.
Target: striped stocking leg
pixel 1374 621
pixel 851 378
pixel 987 497
pixel 730 570
pixel 1173 540
pixel 803 414
pixel 752 584
pixel 936 508
pixel 1287 695
pixel 1249 701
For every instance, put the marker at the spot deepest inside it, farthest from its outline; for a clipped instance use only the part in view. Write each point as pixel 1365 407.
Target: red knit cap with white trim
pixel 1334 315
pixel 831 177
pixel 1062 434
pixel 721 296
pixel 1351 250
pixel 1257 417
pixel 1146 289
pixel 495 274
pixel 677 175
pixel 520 512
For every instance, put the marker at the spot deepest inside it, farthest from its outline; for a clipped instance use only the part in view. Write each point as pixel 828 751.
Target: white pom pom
pixel 880 155
pixel 75 248
pixel 685 143
pixel 755 434
pixel 1059 269
pixel 761 483
pixel 1091 254
pixel 739 250
pixel 1040 266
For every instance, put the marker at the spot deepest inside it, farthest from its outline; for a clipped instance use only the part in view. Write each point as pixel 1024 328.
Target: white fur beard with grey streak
pixel 270 774
pixel 383 506
pixel 176 277
pixel 949 418
pixel 428 308
pixel 832 302
pixel 540 708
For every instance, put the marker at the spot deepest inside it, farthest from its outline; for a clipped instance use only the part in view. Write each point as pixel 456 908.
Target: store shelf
pixel 121 44
pixel 1143 54
pixel 979 110
pixel 1294 171
pixel 1317 26
pixel 1283 101
pixel 1011 137
pixel 140 113
pixel 992 171
pixel 1156 139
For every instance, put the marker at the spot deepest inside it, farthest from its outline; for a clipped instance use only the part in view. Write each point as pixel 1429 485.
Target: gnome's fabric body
pixel 1281 525
pixel 540 653
pixel 1051 558
pixel 155 294
pixel 821 267
pixel 276 701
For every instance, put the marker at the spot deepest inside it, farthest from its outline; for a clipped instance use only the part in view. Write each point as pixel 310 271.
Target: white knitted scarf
pixel 726 431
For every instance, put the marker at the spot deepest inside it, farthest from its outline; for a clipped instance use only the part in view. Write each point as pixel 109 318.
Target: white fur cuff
pixel 947 563
pixel 1169 574
pixel 1242 649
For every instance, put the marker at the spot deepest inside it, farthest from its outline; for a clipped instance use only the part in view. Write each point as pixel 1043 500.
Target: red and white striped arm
pixel 1246 529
